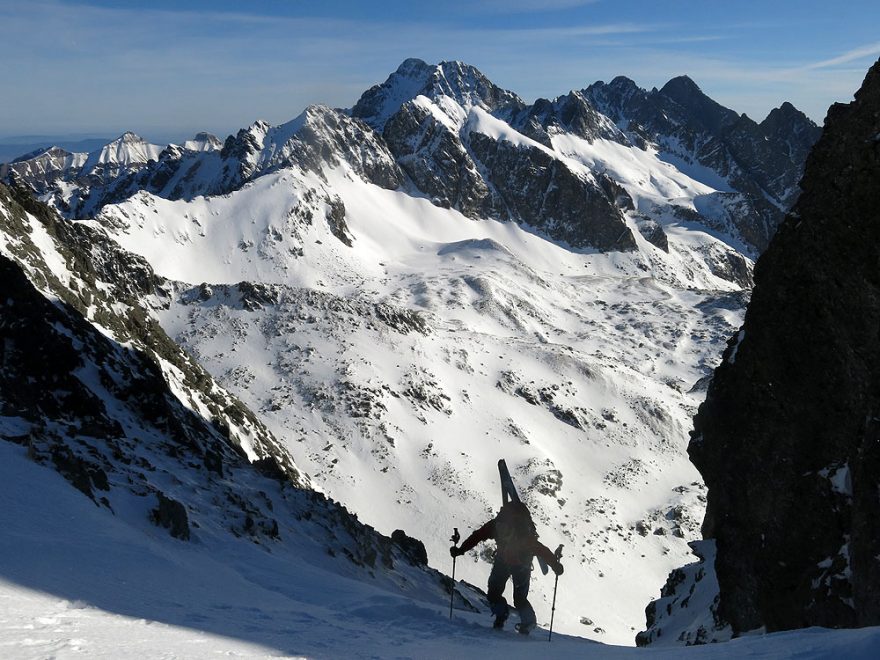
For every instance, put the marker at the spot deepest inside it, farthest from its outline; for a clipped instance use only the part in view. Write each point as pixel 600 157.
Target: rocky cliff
pixel 788 439
pixel 760 163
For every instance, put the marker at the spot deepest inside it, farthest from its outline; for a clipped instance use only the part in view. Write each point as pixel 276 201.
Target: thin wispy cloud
pixel 84 67
pixel 526 6
pixel 872 50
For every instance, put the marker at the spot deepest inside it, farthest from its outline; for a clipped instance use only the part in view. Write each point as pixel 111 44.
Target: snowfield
pixel 399 370
pixel 78 583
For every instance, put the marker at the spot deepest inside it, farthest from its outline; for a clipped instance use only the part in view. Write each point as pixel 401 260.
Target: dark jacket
pixel 517 553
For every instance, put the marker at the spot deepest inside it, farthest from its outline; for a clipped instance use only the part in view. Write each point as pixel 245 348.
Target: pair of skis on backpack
pixel 508 494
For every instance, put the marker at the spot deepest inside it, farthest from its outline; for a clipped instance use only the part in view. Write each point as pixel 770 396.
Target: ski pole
pixel 454 539
pixel 558 555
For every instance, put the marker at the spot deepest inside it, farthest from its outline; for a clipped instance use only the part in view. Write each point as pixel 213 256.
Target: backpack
pixel 515 533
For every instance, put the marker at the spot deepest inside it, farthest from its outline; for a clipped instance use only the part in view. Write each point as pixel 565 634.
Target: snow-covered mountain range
pixel 402 293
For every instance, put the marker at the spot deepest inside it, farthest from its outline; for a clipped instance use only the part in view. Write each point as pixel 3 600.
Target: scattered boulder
pixel 412 547
pixel 171 515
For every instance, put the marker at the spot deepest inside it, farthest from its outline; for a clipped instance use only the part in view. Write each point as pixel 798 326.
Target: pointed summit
pixel 681 87
pixel 126 150
pixel 792 127
pixel 622 82
pixel 462 82
pixel 379 102
pixel 203 141
pixel 785 114
pixel 699 106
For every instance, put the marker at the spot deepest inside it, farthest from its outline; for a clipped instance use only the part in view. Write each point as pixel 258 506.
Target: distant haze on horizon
pixel 92 68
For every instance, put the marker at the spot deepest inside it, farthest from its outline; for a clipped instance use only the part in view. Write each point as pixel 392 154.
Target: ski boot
pixel 524 628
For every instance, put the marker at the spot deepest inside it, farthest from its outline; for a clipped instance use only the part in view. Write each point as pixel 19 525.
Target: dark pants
pixel 498 580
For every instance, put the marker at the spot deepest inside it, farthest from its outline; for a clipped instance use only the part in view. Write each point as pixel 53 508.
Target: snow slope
pixel 397 371
pixel 136 596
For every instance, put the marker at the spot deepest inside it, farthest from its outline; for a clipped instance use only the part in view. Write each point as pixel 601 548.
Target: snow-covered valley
pixel 399 370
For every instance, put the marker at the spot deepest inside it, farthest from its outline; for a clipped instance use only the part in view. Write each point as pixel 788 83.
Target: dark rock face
pixel 571 113
pixel 437 162
pixel 761 162
pixel 654 234
pixel 414 548
pixel 788 439
pixel 171 515
pixel 481 176
pixel 543 192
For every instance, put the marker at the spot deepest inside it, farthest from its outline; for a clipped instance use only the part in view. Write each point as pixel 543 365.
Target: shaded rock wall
pixel 788 439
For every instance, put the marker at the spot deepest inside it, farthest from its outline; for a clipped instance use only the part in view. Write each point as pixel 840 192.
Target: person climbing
pixel 514 532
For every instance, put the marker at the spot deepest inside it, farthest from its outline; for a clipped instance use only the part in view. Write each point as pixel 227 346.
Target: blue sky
pixel 167 68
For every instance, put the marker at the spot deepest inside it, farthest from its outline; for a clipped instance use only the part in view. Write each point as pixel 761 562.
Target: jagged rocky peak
pixel 787 122
pixel 380 102
pixel 247 140
pixel 325 136
pixel 320 136
pixel 785 112
pixel 788 439
pixel 467 85
pixel 707 111
pixel 203 141
pixel 569 113
pixel 614 98
pixel 453 142
pixel 462 82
